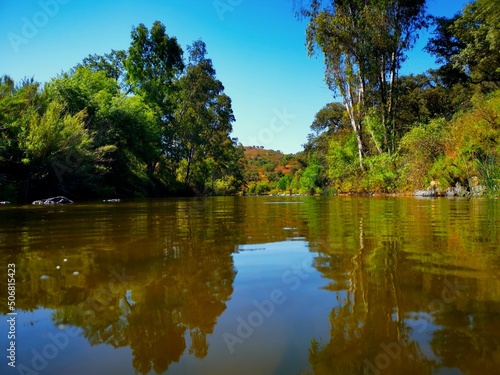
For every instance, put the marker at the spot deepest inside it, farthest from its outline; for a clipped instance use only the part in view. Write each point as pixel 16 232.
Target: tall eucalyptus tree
pixel 364 43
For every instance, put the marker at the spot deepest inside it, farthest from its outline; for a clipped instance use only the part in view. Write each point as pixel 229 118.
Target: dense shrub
pixel 420 147
pixel 284 182
pixel 381 174
pixel 311 178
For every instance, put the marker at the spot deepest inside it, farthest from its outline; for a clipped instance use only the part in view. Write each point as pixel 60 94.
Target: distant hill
pixel 268 165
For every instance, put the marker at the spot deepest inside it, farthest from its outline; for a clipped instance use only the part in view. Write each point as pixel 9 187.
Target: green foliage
pixel 375 128
pixel 311 178
pixel 447 172
pixel 153 63
pixel 341 160
pixel 227 185
pixel 56 147
pixel 83 90
pixel 125 127
pixel 146 122
pixel 477 27
pixel 474 139
pixel 203 119
pixel 381 174
pixel 112 64
pixel 469 45
pixel 43 137
pixel 295 185
pixel 475 133
pixel 332 117
pixel 284 182
pixel 154 59
pixel 124 123
pixel 419 149
pixel 260 188
pixel 457 151
pixel 445 46
pixel 363 43
pixel 438 127
pixel 489 172
pixel 424 97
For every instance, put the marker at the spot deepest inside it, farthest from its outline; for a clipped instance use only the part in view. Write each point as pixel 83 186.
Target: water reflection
pixel 129 280
pixel 417 294
pixel 397 285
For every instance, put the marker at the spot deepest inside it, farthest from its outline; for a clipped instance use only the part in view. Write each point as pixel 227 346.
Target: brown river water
pixel 252 285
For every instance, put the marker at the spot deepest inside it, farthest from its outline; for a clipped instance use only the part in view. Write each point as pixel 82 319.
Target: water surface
pixel 254 285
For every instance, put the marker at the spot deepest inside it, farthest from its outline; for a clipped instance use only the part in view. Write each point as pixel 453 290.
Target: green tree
pixel 331 122
pixel 363 43
pixel 478 29
pixel 468 45
pixel 15 100
pixel 330 118
pixel 203 119
pixel 122 123
pixel 94 93
pixel 311 178
pixel 341 159
pixel 131 128
pixel 284 182
pixel 420 148
pixel 84 89
pixel 111 63
pixel 56 151
pixel 423 97
pixel 445 46
pixel 43 148
pixel 125 129
pixel 153 65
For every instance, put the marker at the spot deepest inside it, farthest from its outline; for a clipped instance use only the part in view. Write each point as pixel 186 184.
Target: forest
pixel 148 121
pixel 136 123
pixel 393 133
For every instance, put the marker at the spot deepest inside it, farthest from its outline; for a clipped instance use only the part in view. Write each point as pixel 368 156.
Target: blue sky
pixel 257 48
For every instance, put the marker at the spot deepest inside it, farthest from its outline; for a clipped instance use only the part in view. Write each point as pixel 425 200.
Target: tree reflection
pixel 368 332
pixel 397 310
pixel 153 311
pixel 163 296
pixel 157 277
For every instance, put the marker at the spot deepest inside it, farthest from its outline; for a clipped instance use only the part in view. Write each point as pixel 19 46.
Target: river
pixel 252 285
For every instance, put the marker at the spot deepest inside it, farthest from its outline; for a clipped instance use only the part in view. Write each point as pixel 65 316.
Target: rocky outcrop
pixel 431 191
pixel 54 200
pixel 478 190
pixel 456 191
pixel 425 193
